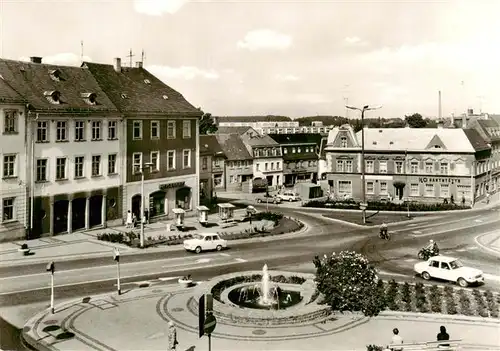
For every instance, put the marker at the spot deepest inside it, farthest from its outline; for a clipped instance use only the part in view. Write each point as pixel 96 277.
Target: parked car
pixel 448 268
pixel 267 198
pixel 205 242
pixel 289 196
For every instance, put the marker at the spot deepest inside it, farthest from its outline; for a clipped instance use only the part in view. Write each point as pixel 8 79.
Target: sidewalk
pixel 138 320
pixel 490 242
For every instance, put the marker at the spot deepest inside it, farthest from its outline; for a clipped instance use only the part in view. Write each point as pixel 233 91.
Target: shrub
pixel 270 216
pixel 435 299
pixel 24 246
pixel 348 282
pixel 451 306
pixel 491 303
pixel 113 238
pixel 420 298
pixel 465 305
pixel 392 292
pixel 385 206
pixel 374 348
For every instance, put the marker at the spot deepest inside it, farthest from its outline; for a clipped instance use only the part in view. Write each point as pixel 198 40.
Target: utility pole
pixel 143 57
pixel 116 257
pixel 81 51
pixel 51 268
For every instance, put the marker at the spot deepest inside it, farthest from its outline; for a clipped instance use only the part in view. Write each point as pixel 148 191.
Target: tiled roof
pixel 256 139
pixel 36 81
pixel 210 146
pixel 233 147
pixel 415 139
pixel 253 119
pixel 476 140
pixel 297 138
pixel 137 90
pixel 491 129
pixel 232 130
pixel 8 94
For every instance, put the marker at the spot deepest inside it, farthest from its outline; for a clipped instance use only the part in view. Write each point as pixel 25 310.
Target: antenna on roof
pixel 143 56
pixel 130 55
pixel 81 51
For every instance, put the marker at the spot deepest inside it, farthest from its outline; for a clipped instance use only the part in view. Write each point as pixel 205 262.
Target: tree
pixel 415 121
pixel 348 283
pixel 207 124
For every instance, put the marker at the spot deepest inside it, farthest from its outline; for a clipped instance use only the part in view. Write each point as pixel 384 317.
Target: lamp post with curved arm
pixel 363 183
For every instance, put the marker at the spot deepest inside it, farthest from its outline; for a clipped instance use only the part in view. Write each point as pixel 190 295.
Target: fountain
pixel 266 297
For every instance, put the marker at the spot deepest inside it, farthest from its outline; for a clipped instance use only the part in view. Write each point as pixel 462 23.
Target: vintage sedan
pixel 267 198
pixel 205 242
pixel 448 268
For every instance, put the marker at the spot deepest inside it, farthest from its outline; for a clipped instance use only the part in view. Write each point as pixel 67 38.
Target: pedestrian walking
pixel 129 221
pixel 172 337
pixel 443 335
pixel 487 198
pixel 396 341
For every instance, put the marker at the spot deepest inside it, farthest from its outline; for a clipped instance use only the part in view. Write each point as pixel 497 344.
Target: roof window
pixel 147 81
pixel 124 96
pixel 165 97
pixel 391 142
pixel 89 98
pixel 437 147
pixel 374 143
pixel 54 97
pixel 55 75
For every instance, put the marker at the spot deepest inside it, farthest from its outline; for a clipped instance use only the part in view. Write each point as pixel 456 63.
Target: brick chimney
pixel 36 59
pixel 118 64
pixel 138 64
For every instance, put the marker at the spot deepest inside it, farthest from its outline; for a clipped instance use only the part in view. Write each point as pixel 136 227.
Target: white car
pixel 289 196
pixel 205 242
pixel 448 268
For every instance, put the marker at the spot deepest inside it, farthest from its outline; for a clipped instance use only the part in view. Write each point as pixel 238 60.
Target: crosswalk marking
pixel 224 254
pixel 241 260
pixel 417 232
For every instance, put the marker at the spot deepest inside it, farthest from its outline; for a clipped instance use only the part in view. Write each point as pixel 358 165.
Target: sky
pixel 291 58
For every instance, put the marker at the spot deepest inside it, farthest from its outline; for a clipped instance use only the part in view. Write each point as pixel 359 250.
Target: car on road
pixel 267 198
pixel 448 268
pixel 289 196
pixel 205 242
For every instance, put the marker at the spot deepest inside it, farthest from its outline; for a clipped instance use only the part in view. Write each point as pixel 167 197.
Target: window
pixel 9 166
pixel 345 187
pixel 96 130
pixel 348 166
pixel 299 150
pixel 285 151
pixel 8 209
pixel 155 130
pixel 343 142
pixel 112 135
pixel 186 129
pixel 293 150
pixel 186 158
pixel 96 165
pixel 41 170
pixel 272 165
pixel 137 130
pixel 61 168
pixel 445 190
pixel 369 188
pixel 170 160
pixel 265 166
pixel 136 162
pixel 399 167
pixel 369 166
pixel 340 166
pixel 155 160
pixel 278 165
pixel 257 167
pixel 10 122
pixel 61 131
pixel 79 162
pixel 429 190
pixel 218 180
pixel 170 129
pixel 428 167
pixel 443 168
pixel 382 166
pixel 204 163
pixel 383 188
pixel 414 190
pixel 216 162
pixel 414 167
pixel 112 164
pixel 42 132
pixel 231 179
pixel 79 130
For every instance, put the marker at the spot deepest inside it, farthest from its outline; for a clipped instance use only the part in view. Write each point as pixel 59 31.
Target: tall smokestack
pixel 440 112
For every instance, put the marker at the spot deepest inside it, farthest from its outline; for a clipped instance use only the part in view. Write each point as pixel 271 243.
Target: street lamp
pixel 363 185
pixel 141 211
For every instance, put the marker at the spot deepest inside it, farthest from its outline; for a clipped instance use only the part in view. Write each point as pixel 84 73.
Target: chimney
pixel 440 111
pixel 36 59
pixel 464 121
pixel 118 65
pixel 470 111
pixel 440 124
pixel 138 64
pixel 452 120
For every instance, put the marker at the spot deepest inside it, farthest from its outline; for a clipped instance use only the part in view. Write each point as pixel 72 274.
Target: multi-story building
pixel 13 184
pixel 74 155
pixel 239 162
pixel 162 135
pixel 258 123
pixel 300 156
pixel 420 164
pixel 489 129
pixel 316 127
pixel 212 165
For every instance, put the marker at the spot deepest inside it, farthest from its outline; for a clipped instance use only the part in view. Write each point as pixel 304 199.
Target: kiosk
pixel 226 211
pixel 203 215
pixel 179 218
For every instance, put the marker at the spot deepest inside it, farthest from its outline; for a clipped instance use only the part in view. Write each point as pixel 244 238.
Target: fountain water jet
pixel 266 297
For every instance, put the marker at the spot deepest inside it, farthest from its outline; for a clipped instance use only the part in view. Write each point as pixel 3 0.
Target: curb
pixel 439 316
pixel 485 247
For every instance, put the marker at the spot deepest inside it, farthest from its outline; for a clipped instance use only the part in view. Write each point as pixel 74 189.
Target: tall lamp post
pixel 363 183
pixel 144 166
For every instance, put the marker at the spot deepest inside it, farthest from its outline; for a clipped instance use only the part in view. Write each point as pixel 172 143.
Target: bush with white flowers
pixel 348 283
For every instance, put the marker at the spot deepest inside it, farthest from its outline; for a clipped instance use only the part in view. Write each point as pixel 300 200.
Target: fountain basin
pixel 245 296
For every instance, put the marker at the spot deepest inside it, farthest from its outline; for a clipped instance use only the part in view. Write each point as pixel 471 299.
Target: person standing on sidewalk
pixel 443 335
pixel 396 341
pixel 172 337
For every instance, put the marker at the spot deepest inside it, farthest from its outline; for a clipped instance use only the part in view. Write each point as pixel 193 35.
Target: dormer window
pixel 55 75
pixel 165 97
pixel 147 81
pixel 437 147
pixel 90 98
pixel 124 96
pixel 343 141
pixel 54 97
pixel 391 142
pixel 374 143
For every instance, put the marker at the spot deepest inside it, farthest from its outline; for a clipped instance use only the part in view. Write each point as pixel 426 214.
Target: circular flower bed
pixel 307 309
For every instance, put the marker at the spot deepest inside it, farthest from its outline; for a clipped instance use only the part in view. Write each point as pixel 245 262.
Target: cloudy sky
pixel 294 58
